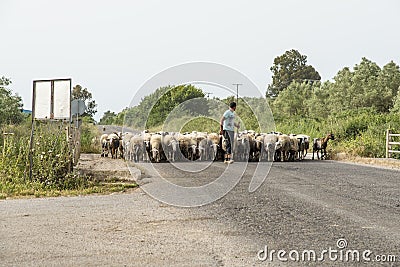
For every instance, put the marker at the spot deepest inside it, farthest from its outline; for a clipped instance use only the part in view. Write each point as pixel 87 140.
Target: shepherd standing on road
pixel 227 130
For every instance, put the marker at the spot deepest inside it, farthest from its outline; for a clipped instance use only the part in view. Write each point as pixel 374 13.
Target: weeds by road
pixel 95 175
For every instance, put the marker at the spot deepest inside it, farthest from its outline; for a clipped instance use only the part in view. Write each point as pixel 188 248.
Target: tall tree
pixel 389 82
pixel 178 96
pixel 83 93
pixel 292 100
pixel 291 66
pixel 367 86
pixel 108 118
pixel 178 101
pixel 318 103
pixel 396 105
pixel 10 105
pixel 340 96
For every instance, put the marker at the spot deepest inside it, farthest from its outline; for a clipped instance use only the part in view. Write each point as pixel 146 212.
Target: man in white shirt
pixel 227 130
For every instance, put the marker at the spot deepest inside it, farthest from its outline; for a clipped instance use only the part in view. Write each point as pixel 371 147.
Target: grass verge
pixel 82 186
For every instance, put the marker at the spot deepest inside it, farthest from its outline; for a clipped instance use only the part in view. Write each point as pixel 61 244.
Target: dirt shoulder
pixel 373 162
pixel 106 169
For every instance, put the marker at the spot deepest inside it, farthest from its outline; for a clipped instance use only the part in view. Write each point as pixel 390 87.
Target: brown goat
pixel 320 144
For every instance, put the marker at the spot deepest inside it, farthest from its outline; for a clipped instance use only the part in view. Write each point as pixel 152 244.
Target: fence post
pixel 387 143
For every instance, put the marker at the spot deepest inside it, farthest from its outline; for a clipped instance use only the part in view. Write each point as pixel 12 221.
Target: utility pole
pixel 237 92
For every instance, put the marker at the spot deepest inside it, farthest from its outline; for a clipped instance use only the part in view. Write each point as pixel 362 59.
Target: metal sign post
pixel 51 100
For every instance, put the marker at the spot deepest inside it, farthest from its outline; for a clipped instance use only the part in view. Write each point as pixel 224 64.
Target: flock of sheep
pixel 171 146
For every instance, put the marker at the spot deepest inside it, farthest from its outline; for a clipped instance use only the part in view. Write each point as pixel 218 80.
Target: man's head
pixel 232 105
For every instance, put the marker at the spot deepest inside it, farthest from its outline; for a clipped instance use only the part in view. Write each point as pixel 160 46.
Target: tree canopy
pixel 108 118
pixel 366 86
pixel 10 105
pixel 289 67
pixel 78 92
pixel 154 109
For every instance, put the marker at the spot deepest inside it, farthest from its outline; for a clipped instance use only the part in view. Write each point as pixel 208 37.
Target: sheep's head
pixel 215 148
pixel 269 146
pixel 278 145
pixel 193 148
pixel 155 153
pixel 174 144
pixel 147 143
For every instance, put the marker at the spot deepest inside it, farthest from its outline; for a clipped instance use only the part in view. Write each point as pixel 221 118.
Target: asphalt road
pixel 301 208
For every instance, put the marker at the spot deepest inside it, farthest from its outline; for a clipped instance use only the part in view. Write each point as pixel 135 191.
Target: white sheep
pixel 170 146
pixel 294 148
pixel 104 145
pixel 282 147
pixel 269 145
pixel 156 147
pixel 214 141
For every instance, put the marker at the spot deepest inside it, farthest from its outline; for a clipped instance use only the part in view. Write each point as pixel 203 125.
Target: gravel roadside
pixel 114 230
pixel 302 205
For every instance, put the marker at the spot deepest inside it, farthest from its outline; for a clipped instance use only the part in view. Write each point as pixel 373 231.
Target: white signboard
pixel 42 99
pixel 52 99
pixel 62 99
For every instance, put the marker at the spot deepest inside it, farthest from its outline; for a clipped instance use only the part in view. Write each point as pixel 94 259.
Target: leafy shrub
pixel 90 142
pixel 52 168
pixel 201 124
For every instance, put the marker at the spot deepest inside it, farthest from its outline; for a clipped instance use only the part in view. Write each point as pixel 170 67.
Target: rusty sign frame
pixel 52 109
pixel 51 112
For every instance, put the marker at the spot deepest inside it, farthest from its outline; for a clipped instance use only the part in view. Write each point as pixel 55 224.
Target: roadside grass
pixel 35 189
pixel 90 142
pixel 51 158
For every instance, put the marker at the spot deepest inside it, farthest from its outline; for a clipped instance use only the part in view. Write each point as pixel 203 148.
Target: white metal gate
pixel 390 137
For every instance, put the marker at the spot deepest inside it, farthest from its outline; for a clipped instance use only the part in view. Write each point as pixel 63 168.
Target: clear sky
pixel 113 47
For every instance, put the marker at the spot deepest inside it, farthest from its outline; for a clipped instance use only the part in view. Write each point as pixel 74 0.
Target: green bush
pixel 201 124
pixel 90 142
pixel 52 168
pixel 358 132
